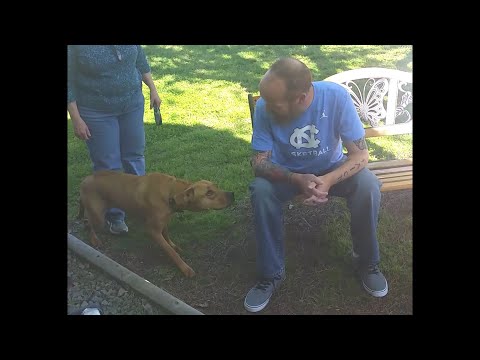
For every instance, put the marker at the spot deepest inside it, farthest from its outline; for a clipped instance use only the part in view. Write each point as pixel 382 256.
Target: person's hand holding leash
pixel 155 100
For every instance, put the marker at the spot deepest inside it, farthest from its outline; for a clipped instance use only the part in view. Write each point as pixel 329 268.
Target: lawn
pixel 206 134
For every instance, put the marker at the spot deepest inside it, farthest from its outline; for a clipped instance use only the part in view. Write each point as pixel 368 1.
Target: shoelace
pixel 373 269
pixel 263 285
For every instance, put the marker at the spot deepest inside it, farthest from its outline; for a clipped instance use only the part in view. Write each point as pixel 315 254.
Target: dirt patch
pixel 320 279
pixel 397 203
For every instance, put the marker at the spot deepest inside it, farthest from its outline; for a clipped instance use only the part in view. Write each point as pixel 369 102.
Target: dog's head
pixel 204 195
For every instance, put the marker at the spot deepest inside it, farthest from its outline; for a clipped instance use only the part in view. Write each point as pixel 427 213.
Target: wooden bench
pixel 383 99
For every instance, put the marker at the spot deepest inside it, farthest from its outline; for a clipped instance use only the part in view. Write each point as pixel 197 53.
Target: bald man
pixel 299 128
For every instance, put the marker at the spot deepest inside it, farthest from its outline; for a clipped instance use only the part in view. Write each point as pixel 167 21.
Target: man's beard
pixel 285 119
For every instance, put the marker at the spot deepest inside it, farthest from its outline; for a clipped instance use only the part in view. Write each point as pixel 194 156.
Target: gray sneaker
pixel 372 278
pixel 373 281
pixel 259 296
pixel 117 227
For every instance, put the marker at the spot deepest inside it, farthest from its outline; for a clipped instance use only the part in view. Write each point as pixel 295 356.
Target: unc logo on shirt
pixel 296 139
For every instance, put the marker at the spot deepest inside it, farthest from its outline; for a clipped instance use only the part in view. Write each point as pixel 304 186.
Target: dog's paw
pixel 188 271
pixel 95 242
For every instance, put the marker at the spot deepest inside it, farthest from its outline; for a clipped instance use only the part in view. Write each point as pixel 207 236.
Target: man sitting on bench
pixel 298 130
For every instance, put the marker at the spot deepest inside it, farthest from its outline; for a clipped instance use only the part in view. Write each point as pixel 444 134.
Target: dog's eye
pixel 209 193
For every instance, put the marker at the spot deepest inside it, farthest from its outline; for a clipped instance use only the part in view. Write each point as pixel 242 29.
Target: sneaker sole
pixel 118 233
pixel 265 303
pixel 376 293
pixel 257 308
pixel 115 232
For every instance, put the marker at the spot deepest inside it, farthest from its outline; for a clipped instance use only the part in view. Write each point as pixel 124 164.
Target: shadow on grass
pixel 380 152
pixel 247 64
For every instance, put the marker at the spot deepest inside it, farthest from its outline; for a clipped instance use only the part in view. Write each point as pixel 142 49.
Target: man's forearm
pixel 354 163
pixel 263 167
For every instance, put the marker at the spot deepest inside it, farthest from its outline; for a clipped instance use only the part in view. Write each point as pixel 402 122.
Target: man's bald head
pixel 294 73
pixel 285 88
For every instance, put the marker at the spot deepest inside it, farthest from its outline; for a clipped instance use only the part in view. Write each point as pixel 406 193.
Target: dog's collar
pixel 173 205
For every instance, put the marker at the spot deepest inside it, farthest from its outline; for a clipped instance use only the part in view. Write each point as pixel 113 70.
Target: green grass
pixel 390 147
pixel 206 132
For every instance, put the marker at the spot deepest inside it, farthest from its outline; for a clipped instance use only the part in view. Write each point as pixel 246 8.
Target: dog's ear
pixel 189 195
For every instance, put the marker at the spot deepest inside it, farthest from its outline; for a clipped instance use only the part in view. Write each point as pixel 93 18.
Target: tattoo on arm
pixel 361 144
pixel 340 178
pixel 263 167
pixel 355 167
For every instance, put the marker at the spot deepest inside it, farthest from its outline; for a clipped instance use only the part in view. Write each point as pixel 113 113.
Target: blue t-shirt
pixel 311 143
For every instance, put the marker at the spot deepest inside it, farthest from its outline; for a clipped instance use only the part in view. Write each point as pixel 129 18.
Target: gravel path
pixel 88 286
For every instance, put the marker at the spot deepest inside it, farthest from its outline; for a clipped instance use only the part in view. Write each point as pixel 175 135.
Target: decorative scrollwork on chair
pixel 369 104
pixel 406 99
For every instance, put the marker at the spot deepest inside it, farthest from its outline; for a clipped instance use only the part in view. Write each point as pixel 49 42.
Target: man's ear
pixel 188 195
pixel 302 98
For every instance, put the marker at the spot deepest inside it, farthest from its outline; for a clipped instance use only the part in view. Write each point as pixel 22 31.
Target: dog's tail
pixel 81 210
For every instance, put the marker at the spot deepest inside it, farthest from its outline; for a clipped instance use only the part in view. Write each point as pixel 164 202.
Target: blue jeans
pixel 117 142
pixel 362 192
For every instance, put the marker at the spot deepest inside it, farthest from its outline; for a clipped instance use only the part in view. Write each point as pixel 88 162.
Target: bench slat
pixel 396 179
pixel 389 164
pixel 393 175
pixel 406 184
pixel 392 170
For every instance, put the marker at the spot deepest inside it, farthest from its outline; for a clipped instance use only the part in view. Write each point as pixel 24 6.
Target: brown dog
pixel 155 197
